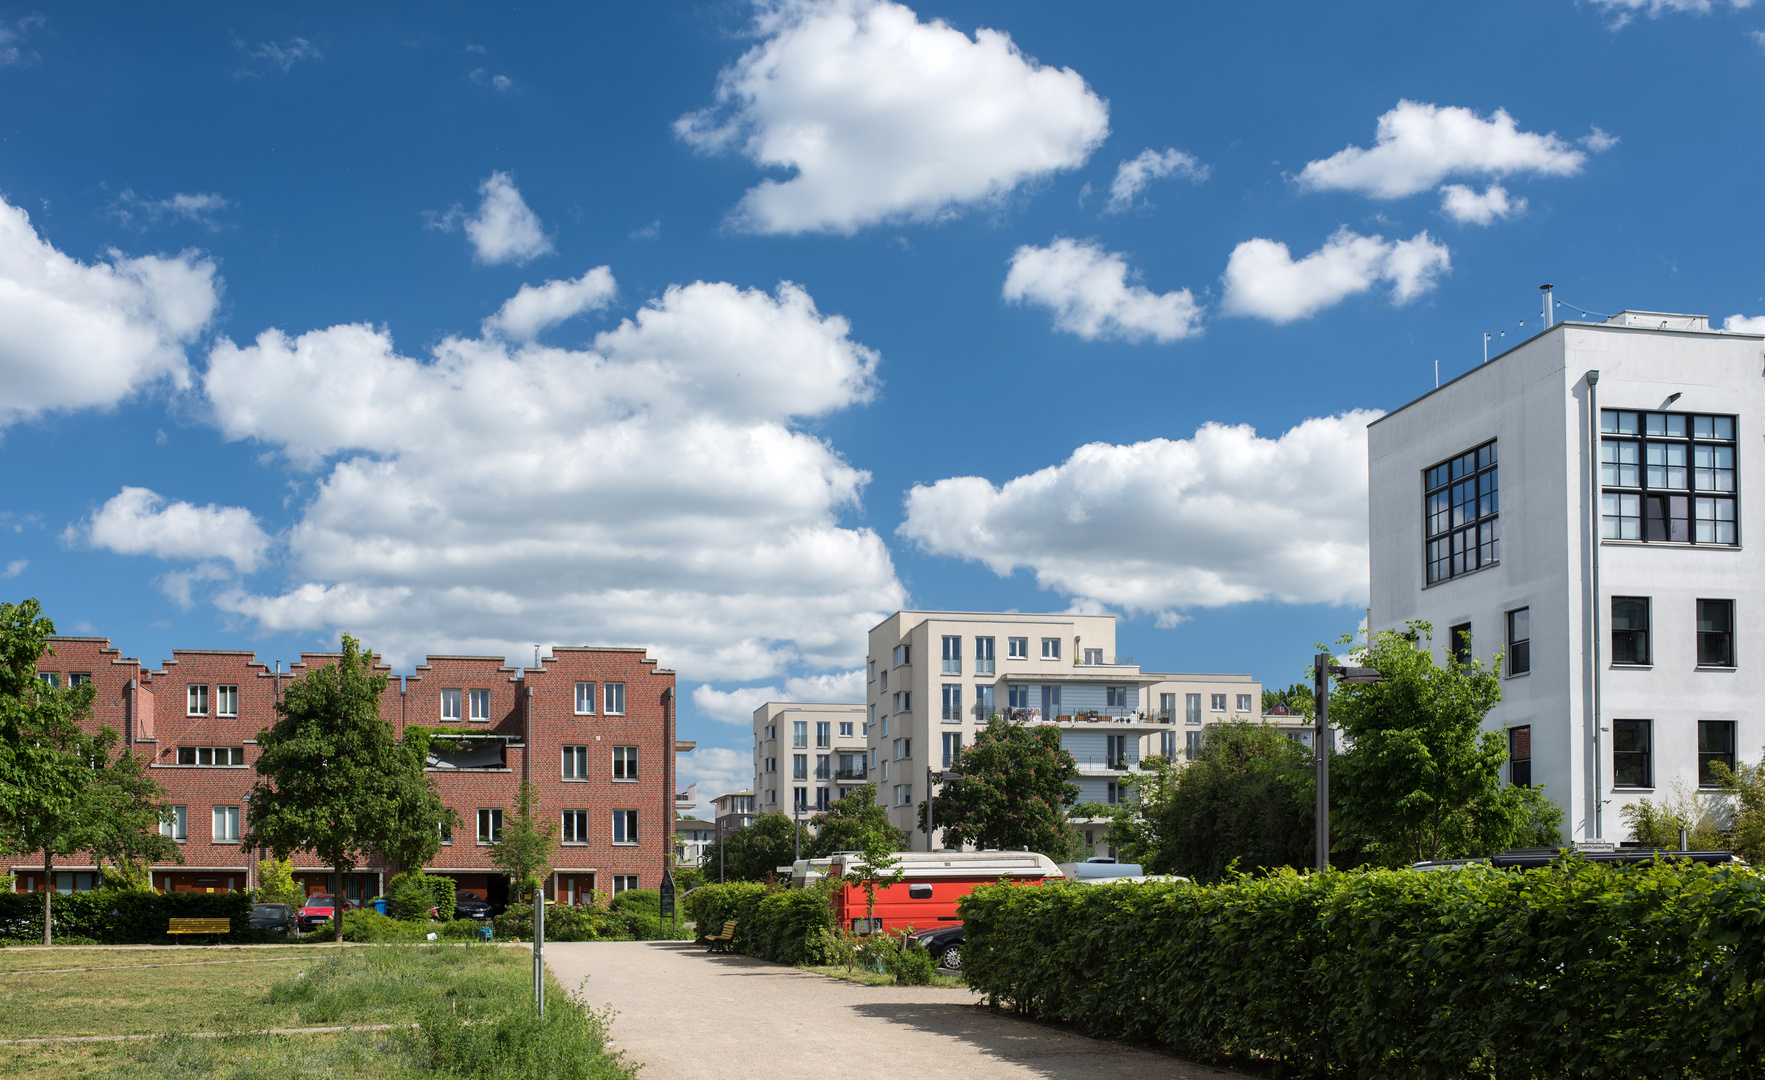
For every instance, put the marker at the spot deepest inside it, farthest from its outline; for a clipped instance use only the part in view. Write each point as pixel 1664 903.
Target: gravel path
pixel 685 1014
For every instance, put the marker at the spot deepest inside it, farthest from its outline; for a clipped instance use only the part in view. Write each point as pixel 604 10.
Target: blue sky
pixel 726 330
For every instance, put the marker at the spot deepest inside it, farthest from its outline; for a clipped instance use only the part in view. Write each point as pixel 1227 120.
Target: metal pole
pixel 928 807
pixel 1594 505
pixel 1321 754
pixel 539 948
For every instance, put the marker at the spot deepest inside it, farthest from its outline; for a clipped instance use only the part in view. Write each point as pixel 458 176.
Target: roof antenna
pixel 1546 290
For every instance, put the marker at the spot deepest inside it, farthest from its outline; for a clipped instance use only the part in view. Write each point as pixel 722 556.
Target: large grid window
pixel 1461 508
pixel 1632 754
pixel 1667 477
pixel 1630 630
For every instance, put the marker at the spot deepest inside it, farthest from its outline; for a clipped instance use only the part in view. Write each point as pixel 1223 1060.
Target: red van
pixel 932 884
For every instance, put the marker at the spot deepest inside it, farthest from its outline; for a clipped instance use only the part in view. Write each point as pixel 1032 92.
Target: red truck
pixel 932 884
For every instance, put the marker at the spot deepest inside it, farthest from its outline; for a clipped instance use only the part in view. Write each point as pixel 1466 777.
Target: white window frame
pixel 625 824
pixel 823 734
pixel 478 702
pixel 799 734
pixel 845 729
pixel 872 666
pixel 624 883
pixel 224 825
pixel 196 699
pixel 952 703
pixel 575 827
pixel 179 827
pixel 799 766
pixel 1017 648
pixel 490 825
pixel 903 794
pixel 1216 703
pixel 574 762
pixel 1050 648
pixel 226 700
pixel 625 763
pixel 1245 704
pixel 952 654
pixel 613 699
pixel 903 655
pixel 584 698
pixel 450 704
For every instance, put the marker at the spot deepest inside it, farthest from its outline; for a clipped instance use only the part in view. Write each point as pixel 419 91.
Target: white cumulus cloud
pixel 1137 173
pixel 1224 517
pixel 718 770
pixel 1087 289
pixel 84 335
pixel 1418 145
pixel 736 706
pixel 139 521
pixel 201 207
pixel 881 117
pixel 1465 206
pixel 1264 281
pixel 654 488
pixel 14 568
pixel 539 307
pixel 1745 324
pixel 503 229
pixel 1623 12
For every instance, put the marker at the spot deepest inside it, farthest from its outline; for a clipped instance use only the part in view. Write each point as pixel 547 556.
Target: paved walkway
pixel 683 1014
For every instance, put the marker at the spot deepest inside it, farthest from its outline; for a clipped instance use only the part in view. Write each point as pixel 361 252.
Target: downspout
pixel 1593 544
pixel 668 783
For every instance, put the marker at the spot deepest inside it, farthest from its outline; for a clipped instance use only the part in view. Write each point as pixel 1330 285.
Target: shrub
pixel 789 926
pixel 565 922
pixel 276 884
pixel 120 917
pixel 409 897
pixel 910 967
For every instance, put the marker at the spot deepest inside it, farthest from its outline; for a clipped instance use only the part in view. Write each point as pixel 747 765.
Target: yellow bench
pixel 720 942
pixel 218 927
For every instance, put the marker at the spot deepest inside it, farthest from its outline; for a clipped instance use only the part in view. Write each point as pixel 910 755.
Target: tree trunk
pixel 48 891
pixel 337 924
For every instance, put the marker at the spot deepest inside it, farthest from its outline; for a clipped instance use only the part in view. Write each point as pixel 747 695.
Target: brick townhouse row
pixel 591 728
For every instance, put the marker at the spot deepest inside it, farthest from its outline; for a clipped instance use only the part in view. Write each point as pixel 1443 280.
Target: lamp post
pixel 1322 670
pixel 931 778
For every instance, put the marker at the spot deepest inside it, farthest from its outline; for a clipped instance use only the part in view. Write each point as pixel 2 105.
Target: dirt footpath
pixel 685 1014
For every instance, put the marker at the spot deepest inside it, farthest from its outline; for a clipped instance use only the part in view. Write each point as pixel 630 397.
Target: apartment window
pixel 984 706
pixel 576 826
pixel 1191 744
pixel 903 749
pixel 903 794
pixel 1050 648
pixel 800 798
pixel 870 722
pixel 1244 705
pixel 1017 648
pixel 625 763
pixel 872 671
pixel 845 729
pixel 952 747
pixel 585 699
pixel 1667 477
pixel 622 882
pixel 1093 657
pixel 771 764
pixel 799 766
pixel 52 679
pixel 823 734
pixel 822 799
pixel 625 826
pixel 226 824
pixel 447 833
pixel 1458 643
pixel 1116 697
pixel 852 766
pixel 1216 702
pixel 1167 744
pixel 903 701
pixel 490 824
pixel 1519 641
pixel 983 656
pixel 479 702
pixel 80 678
pixel 800 734
pixel 1461 504
pixel 576 763
pixel 885 770
pixel 226 699
pixel 885 727
pixel 952 655
pixel 178 828
pixel 1715 743
pixel 1116 751
pixel 1018 697
pixel 1167 706
pixel 1192 708
pixel 450 704
pixel 1520 756
pixel 1114 793
pixel 1715 633
pixel 824 766
pixel 953 703
pixel 1632 764
pixel 903 655
pixel 884 682
pixel 615 699
pixel 211 755
pixel 1630 630
pixel 197 700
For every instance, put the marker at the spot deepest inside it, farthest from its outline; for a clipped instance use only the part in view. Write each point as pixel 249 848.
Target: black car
pixel 470 906
pixel 945 945
pixel 279 917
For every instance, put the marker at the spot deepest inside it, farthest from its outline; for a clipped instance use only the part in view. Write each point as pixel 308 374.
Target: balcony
pixel 849 776
pixel 1106 764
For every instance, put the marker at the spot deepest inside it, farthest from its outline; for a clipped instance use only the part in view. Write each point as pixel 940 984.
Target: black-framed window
pixel 1519 641
pixel 1715 633
pixel 1632 754
pixel 1715 743
pixel 1520 756
pixel 1458 643
pixel 1668 477
pixel 1461 527
pixel 1630 630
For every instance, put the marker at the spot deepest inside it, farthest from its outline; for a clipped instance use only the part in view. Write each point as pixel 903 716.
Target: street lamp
pixel 1322 670
pixel 930 779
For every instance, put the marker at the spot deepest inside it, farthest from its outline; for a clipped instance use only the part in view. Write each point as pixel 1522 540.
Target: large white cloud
pixel 1087 289
pixel 504 229
pixel 1224 517
pixel 139 521
pixel 1418 145
pixel 653 489
pixel 1264 280
pixel 882 117
pixel 718 770
pixel 1745 324
pixel 83 335
pixel 538 307
pixel 1137 173
pixel 1465 206
pixel 737 706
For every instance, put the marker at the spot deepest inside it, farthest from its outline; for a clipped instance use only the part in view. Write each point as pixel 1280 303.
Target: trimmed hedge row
pixel 115 917
pixel 1577 970
pixel 787 926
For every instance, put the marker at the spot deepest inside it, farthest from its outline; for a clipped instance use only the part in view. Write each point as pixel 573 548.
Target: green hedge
pixel 788 926
pixel 114 917
pixel 1576 970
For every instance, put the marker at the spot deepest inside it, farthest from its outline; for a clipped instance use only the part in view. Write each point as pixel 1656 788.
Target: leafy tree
pixel 1423 779
pixel 335 780
pixel 856 822
pixel 1746 786
pixel 1298 698
pixel 1015 787
pixel 757 849
pixel 124 808
pixel 411 837
pixel 1657 824
pixel 524 849
pixel 276 883
pixel 1245 801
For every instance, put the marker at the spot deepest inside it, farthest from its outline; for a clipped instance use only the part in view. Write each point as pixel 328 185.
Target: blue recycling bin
pixel 486 931
pixel 380 905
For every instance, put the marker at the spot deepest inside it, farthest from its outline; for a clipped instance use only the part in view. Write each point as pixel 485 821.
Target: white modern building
pixel 807 755
pixel 731 811
pixel 932 680
pixel 691 836
pixel 1581 504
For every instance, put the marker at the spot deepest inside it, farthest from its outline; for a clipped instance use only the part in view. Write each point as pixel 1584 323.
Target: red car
pixel 319 908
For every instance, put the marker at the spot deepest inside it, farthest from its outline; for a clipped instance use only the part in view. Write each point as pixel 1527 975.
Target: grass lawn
pixel 473 1002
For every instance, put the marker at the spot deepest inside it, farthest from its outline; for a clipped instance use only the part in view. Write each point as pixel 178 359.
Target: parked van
pixel 932 884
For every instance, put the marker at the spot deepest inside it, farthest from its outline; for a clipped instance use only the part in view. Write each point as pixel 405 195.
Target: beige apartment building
pixel 807 754
pixel 932 679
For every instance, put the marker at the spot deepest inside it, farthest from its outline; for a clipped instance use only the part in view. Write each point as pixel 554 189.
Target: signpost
pixel 668 899
pixel 539 949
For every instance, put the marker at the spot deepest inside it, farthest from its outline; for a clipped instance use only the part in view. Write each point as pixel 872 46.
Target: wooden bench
pixel 719 942
pixel 218 927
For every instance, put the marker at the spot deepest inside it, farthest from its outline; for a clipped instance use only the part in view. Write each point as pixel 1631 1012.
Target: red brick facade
pixel 528 716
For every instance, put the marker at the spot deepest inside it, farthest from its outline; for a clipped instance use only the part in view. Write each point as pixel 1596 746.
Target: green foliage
pixel 1015 787
pixel 568 1044
pixel 1575 970
pixel 855 822
pixel 127 876
pixel 1246 801
pixel 525 850
pixel 1702 816
pixel 408 896
pixel 121 917
pixel 688 877
pixel 757 850
pixel 911 967
pixel 1745 785
pixel 787 926
pixel 276 884
pixel 571 922
pixel 1298 698
pixel 1423 780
